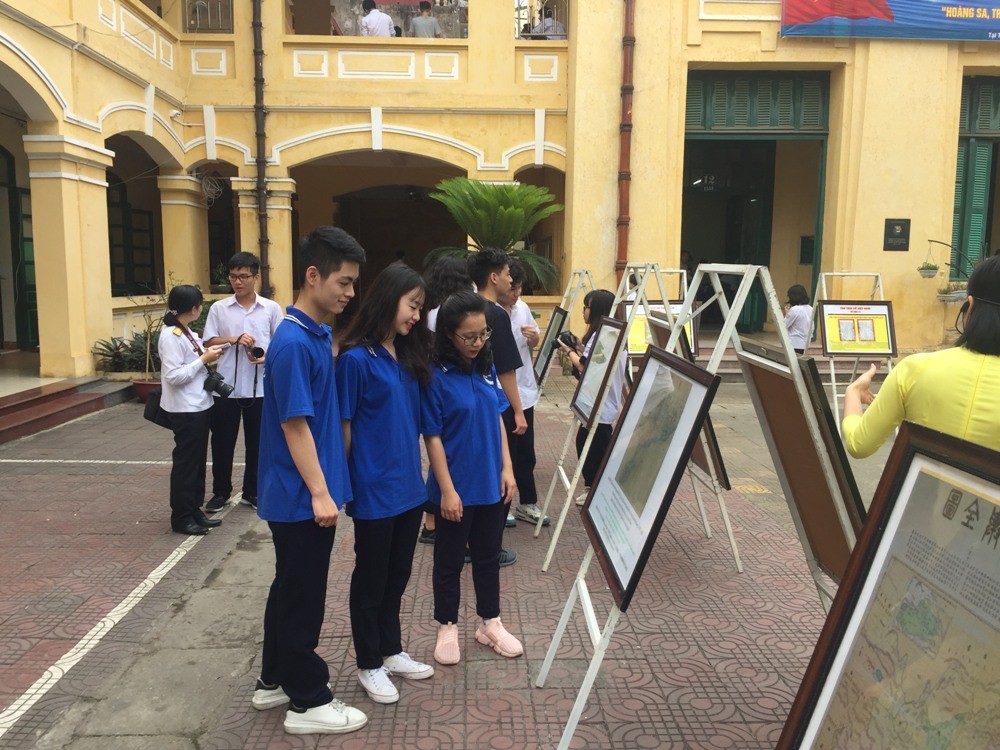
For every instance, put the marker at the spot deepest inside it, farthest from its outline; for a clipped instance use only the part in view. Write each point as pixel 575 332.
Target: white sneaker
pixel 582 499
pixel 333 718
pixel 377 684
pixel 530 513
pixel 408 668
pixel 265 697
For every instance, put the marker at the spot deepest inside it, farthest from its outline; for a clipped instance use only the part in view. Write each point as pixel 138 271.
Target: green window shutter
pixel 785 105
pixel 974 209
pixel 741 105
pixel 695 114
pixel 963 116
pixel 956 226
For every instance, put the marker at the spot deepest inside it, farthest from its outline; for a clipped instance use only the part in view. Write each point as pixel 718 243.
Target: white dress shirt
pixel 227 318
pixel 182 373
pixel 520 315
pixel 377 23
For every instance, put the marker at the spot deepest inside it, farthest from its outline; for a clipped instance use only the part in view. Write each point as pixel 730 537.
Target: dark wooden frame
pixel 824 303
pixel 547 348
pixel 913 440
pixel 622 591
pixel 785 425
pixel 660 327
pixel 588 420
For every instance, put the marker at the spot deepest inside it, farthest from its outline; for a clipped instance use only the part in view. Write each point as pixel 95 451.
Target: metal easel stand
pixel 821 294
pixel 598 637
pixel 729 334
pixel 712 483
pixel 644 271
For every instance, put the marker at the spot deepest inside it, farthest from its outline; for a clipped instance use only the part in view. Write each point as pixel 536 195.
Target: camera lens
pixel 256 352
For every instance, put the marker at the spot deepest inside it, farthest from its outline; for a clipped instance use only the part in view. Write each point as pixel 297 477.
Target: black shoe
pixel 250 500
pixel 217 503
pixel 205 522
pixel 191 528
pixel 426 536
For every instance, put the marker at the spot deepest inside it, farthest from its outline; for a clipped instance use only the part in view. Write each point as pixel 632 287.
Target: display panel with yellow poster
pixel 852 329
pixel 639 334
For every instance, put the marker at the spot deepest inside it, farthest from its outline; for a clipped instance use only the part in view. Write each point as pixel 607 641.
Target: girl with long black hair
pixel 183 360
pixel 383 363
pixel 471 481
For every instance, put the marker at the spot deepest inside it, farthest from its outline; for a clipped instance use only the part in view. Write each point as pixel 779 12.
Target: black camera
pixel 256 351
pixel 569 338
pixel 215 383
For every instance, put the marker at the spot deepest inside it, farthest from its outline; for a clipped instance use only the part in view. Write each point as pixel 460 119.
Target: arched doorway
pixel 382 199
pixel 547 236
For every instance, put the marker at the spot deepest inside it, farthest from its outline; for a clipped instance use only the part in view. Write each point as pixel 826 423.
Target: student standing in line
pixel 383 363
pixel 522 451
pixel 303 481
pixel 596 305
pixel 426 26
pixel 247 322
pixel 471 480
pixel 182 373
pixel 375 22
pixel 445 277
pixel 489 269
pixel 798 317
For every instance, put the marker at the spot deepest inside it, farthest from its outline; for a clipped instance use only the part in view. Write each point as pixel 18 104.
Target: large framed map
pixel 909 656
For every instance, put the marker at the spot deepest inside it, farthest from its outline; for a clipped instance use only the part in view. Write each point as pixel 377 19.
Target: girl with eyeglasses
pixel 471 481
pixel 383 363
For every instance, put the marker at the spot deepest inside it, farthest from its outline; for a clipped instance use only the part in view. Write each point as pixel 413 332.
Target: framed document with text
pixel 604 352
pixel 855 329
pixel 909 656
pixel 548 346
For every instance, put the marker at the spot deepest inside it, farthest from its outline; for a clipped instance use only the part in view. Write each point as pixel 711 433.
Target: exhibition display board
pixel 857 328
pixel 547 347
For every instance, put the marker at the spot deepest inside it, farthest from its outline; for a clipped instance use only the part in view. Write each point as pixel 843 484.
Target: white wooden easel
pixel 579 281
pixel 877 292
pixel 729 335
pixel 645 271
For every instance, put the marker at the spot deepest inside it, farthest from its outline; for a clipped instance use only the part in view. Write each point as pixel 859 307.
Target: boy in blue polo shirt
pixel 303 480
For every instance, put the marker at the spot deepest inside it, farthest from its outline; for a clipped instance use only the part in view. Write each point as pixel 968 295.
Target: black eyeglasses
pixel 471 340
pixel 243 278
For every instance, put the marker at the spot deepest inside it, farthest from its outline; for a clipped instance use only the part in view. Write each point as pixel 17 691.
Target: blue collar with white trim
pixel 295 315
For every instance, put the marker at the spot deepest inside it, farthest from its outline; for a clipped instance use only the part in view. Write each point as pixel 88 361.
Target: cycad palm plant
pixel 497 215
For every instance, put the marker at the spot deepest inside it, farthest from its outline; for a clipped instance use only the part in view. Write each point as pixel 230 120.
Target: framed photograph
pixel 908 655
pixel 855 329
pixel 547 347
pixel 604 353
pixel 640 334
pixel 649 449
pixel 826 523
pixel 660 328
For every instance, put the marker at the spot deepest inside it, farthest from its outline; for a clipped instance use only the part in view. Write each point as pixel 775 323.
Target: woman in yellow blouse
pixel 955 390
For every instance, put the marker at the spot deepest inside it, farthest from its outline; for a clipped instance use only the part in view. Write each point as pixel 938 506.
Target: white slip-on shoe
pixel 266 696
pixel 335 717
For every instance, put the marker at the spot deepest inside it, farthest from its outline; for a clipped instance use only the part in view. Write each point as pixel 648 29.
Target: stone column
pixel 279 230
pixel 72 262
pixel 184 215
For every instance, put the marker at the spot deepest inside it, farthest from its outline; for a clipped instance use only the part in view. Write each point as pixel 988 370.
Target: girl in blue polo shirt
pixel 471 481
pixel 383 362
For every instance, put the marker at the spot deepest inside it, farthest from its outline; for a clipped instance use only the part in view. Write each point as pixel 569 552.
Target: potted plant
pixel 956 291
pixel 927 269
pixel 497 216
pixel 220 280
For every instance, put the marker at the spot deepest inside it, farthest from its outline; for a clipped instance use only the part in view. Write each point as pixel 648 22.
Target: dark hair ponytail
pixel 182 299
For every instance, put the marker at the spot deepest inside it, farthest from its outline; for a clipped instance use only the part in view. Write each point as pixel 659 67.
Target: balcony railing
pixel 209 16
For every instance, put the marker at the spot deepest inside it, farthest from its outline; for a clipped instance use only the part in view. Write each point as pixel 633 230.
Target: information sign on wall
pixel 976 20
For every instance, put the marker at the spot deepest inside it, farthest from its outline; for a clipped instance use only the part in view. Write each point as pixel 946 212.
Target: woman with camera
pixel 188 398
pixel 596 305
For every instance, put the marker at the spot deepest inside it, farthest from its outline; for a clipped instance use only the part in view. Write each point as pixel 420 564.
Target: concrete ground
pixel 116 633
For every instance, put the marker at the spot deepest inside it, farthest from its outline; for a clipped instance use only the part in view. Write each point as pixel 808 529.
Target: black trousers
pixel 383 559
pixel 294 612
pixel 598 447
pixel 226 416
pixel 522 456
pixel 187 474
pixel 481 528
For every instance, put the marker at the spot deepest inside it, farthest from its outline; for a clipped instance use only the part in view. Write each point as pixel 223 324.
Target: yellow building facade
pixel 129 157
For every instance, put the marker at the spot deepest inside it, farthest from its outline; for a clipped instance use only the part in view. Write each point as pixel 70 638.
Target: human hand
pixel 530 334
pixel 520 423
pixel 862 386
pixel 507 485
pixel 451 506
pixel 325 510
pixel 211 354
pixel 245 339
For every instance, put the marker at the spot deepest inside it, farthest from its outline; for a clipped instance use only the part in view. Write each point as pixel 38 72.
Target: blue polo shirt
pixel 299 381
pixel 464 409
pixel 382 400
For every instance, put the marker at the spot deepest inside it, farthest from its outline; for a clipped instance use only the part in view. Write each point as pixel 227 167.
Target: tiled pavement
pixel 704 657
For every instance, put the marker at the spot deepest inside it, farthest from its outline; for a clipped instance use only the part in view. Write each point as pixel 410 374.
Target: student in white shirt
pixel 375 22
pixel 183 363
pixel 247 321
pixel 549 27
pixel 522 450
pixel 798 317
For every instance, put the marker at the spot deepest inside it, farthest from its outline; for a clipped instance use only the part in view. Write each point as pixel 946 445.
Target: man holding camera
pixel 247 321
